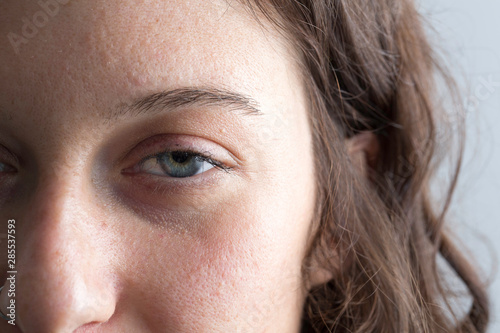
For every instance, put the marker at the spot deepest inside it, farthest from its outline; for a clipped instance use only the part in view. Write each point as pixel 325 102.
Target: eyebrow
pixel 186 97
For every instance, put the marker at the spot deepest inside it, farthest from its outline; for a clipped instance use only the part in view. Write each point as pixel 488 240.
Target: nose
pixel 63 284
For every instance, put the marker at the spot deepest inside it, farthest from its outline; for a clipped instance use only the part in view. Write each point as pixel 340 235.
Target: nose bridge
pixel 59 288
pixel 54 214
pixel 55 208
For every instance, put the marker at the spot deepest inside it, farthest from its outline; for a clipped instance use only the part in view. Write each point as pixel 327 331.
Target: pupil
pixel 180 157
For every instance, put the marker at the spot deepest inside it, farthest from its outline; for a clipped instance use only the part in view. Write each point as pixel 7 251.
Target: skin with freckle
pixel 103 250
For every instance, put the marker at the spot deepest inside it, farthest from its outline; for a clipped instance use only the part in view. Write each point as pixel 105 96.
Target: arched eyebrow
pixel 187 97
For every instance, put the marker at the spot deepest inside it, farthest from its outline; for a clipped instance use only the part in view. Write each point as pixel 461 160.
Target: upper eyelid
pixel 190 151
pixel 157 144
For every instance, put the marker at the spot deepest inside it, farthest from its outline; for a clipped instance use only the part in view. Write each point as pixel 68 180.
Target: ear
pixel 363 150
pixel 317 274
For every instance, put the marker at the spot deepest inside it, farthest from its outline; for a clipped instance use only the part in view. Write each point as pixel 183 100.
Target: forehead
pixel 125 26
pixel 114 49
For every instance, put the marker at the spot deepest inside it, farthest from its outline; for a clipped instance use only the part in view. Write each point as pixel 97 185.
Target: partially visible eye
pixel 4 168
pixel 178 164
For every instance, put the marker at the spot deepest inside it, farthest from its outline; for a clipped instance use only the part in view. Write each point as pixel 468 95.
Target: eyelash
pixel 205 157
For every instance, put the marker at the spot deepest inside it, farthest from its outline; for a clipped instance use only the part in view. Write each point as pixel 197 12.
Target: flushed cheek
pixel 221 283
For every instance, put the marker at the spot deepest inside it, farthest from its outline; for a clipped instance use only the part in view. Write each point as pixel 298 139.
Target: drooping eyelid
pixel 159 144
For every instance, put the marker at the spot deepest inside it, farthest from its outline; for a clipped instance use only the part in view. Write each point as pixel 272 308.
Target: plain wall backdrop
pixel 469 33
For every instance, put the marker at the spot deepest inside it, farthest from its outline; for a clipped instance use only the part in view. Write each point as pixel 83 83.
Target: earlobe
pixel 322 265
pixel 318 276
pixel 363 150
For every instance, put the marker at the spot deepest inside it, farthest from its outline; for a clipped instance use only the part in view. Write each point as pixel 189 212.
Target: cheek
pixel 235 266
pixel 239 268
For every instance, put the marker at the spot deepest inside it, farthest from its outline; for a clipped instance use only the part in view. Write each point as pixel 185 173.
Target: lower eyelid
pixel 156 184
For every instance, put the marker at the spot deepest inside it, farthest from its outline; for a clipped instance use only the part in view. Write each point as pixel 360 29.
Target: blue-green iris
pixel 180 164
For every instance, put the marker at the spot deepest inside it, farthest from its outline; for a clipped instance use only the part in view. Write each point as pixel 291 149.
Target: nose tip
pixel 68 304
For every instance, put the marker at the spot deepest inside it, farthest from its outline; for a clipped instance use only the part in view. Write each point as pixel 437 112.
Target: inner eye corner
pixel 6 168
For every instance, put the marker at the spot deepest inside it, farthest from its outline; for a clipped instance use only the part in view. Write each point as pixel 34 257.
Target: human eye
pixel 175 170
pixel 178 164
pixel 176 161
pixel 8 169
pixel 6 158
pixel 4 168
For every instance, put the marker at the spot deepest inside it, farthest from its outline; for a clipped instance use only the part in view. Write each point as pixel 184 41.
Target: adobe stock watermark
pixel 262 310
pixel 485 88
pixel 31 26
pixel 10 289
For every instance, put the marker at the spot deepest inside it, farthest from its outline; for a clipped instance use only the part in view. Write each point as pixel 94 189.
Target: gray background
pixel 469 33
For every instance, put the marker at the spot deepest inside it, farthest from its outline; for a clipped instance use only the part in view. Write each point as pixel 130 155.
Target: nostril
pixel 88 328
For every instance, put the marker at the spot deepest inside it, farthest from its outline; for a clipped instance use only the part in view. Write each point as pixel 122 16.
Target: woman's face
pixel 157 159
